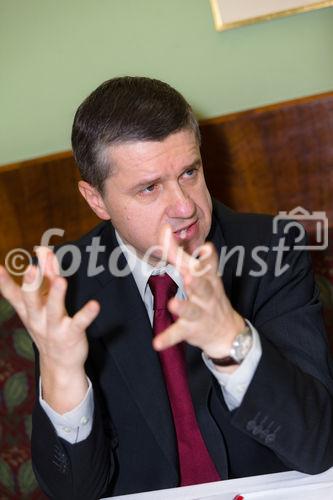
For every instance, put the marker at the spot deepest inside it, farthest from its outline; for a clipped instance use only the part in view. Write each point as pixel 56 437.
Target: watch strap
pixel 238 350
pixel 226 361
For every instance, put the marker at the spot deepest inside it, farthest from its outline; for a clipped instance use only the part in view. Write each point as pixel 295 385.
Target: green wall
pixel 54 52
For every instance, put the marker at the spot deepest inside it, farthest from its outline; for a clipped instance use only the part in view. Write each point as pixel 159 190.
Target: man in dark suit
pixel 160 372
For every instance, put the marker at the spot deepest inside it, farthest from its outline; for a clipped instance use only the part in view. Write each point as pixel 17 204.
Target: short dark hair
pixel 121 110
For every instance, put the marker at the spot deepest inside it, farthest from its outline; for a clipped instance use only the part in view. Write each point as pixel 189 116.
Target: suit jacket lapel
pixel 201 379
pixel 124 326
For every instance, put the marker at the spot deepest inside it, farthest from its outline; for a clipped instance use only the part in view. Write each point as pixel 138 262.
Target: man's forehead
pixel 177 149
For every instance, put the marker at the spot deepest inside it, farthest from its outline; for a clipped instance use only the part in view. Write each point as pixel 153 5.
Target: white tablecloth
pixel 282 486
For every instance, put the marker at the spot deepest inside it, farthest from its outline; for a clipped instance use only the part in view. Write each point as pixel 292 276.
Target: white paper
pixel 282 486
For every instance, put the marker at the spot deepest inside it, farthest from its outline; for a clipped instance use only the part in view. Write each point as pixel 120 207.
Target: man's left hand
pixel 206 319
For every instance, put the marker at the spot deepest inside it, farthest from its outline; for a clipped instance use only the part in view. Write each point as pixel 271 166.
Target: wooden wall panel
pixel 273 158
pixel 38 195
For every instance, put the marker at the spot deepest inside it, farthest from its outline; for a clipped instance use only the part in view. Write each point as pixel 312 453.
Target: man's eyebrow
pixel 146 182
pixel 154 180
pixel 194 163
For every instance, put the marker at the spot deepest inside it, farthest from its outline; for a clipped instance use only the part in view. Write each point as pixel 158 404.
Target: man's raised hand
pixel 60 339
pixel 206 319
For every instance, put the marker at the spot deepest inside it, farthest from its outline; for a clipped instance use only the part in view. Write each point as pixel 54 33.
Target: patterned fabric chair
pixel 17 479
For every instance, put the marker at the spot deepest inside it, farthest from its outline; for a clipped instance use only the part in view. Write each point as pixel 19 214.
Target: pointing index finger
pixel 201 262
pixel 173 252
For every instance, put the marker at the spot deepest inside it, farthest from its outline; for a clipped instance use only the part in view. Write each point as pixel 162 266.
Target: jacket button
pixel 270 438
pixel 251 425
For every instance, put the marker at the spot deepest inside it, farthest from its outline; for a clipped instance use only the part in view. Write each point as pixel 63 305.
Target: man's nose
pixel 180 204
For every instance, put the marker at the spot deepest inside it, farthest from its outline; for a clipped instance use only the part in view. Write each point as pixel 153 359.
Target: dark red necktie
pixel 195 463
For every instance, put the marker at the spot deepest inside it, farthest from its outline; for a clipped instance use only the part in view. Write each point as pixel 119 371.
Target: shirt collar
pixel 142 270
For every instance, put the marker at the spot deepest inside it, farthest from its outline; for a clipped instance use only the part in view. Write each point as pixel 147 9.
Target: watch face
pixel 239 349
pixel 241 346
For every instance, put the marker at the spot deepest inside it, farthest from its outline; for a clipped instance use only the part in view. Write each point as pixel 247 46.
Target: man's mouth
pixel 186 232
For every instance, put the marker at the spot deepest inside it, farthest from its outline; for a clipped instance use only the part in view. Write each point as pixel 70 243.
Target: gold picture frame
pixel 224 20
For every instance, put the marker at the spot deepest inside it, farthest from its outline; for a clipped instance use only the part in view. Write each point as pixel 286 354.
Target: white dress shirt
pixel 75 425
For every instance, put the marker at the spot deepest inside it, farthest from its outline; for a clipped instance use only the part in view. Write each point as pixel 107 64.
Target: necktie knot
pixel 163 289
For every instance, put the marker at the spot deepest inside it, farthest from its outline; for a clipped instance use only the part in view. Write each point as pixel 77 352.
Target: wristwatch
pixel 239 349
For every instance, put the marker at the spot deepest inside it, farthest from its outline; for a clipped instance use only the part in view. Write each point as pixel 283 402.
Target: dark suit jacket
pixel 284 422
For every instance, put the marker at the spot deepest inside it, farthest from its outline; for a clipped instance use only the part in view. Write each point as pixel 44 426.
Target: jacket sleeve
pixel 288 406
pixel 64 471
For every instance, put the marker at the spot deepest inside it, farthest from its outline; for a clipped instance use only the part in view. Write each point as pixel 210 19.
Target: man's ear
pixel 94 199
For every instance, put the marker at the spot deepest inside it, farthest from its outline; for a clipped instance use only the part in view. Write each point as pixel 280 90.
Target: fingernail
pixel 157 345
pixel 94 307
pixel 29 273
pixel 59 284
pixel 173 304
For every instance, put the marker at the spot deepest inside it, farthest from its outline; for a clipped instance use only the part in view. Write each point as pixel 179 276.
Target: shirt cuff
pixel 75 425
pixel 234 385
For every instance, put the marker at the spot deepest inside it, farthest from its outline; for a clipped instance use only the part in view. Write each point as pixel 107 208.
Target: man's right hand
pixel 60 339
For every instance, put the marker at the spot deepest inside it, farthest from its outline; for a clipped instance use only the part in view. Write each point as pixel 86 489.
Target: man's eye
pixel 148 189
pixel 190 172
